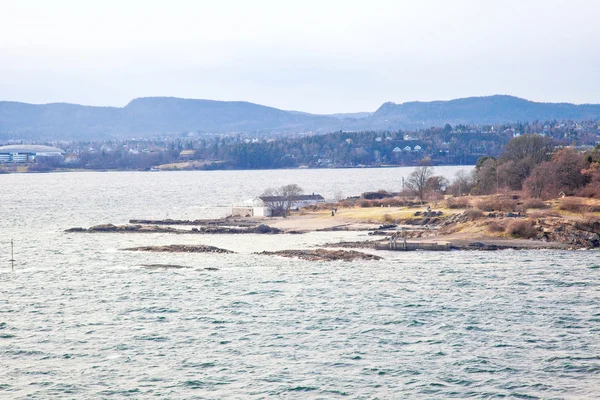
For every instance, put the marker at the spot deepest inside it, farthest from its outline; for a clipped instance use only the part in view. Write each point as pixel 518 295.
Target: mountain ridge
pixel 152 116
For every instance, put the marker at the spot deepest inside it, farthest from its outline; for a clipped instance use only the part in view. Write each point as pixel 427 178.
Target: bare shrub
pixel 457 202
pixel 543 214
pixel 393 202
pixel 573 205
pixel 365 203
pixel 319 206
pixel 388 219
pixel 591 191
pixel 380 194
pixel 520 228
pixel 496 227
pixel 346 203
pixel 535 203
pixel 472 215
pixel 497 203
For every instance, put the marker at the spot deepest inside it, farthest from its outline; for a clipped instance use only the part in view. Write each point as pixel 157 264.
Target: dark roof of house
pixel 302 197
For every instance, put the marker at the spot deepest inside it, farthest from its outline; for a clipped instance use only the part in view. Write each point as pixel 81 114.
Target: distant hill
pixel 151 116
pixel 154 116
pixel 477 110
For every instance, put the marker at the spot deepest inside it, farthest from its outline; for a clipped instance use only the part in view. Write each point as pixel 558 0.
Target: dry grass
pixel 590 191
pixel 497 203
pixel 543 214
pixel 386 202
pixel 534 203
pixel 579 205
pixel 473 215
pixel 520 228
pixel 389 219
pixel 496 227
pixel 457 202
pixel 372 214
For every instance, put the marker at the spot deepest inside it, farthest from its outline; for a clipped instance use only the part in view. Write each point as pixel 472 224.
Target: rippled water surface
pixel 81 319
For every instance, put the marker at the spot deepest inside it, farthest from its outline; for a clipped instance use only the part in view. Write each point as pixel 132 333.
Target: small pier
pixel 403 245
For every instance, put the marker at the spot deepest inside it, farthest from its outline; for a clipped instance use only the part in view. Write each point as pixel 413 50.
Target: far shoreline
pixel 226 169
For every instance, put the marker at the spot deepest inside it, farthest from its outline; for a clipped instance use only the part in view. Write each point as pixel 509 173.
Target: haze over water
pixel 81 319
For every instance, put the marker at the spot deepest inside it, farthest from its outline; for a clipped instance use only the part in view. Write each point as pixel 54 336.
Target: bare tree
pixel 418 179
pixel 281 199
pixel 463 183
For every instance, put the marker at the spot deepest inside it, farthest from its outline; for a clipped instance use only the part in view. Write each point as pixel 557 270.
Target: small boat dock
pixel 403 245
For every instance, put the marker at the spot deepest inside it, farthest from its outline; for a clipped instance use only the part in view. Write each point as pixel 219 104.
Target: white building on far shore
pixel 27 153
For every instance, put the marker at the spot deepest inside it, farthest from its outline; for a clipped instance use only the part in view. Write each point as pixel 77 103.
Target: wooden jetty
pixel 403 245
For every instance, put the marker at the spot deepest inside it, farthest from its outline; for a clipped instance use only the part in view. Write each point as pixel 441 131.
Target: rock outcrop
pixel 215 230
pixel 163 266
pixel 323 255
pixel 180 248
pixel 228 221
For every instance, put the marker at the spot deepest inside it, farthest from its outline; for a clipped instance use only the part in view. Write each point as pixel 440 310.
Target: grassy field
pixel 379 214
pixel 572 207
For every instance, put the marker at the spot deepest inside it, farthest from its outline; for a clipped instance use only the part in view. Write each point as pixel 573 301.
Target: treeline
pixel 448 145
pixel 531 163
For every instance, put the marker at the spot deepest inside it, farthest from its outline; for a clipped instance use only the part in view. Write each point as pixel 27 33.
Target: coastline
pixel 399 228
pixel 355 220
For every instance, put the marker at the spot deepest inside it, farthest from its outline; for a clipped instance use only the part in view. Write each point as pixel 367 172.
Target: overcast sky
pixel 315 56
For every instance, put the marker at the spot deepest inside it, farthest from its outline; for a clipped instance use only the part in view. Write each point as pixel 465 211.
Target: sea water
pixel 80 318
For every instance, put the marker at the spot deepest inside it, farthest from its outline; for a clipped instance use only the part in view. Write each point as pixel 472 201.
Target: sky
pixel 324 56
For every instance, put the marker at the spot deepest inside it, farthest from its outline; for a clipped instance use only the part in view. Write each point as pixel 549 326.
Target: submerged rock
pixel 180 248
pixel 163 266
pixel 323 255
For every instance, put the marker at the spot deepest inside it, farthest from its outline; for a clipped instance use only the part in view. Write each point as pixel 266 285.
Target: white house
pixel 262 206
pixel 417 148
pixel 407 148
pixel 397 150
pixel 251 208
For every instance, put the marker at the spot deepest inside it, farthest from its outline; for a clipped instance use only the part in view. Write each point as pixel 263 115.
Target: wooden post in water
pixel 12 254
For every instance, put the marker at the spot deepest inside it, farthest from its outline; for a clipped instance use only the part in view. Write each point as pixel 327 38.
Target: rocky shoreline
pixel 466 230
pixel 210 230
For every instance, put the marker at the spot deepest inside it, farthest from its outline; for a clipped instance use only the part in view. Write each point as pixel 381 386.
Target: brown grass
pixel 543 214
pixel 387 218
pixel 496 227
pixel 387 202
pixel 534 203
pixel 577 205
pixel 472 215
pixel 521 229
pixel 496 203
pixel 590 191
pixel 457 202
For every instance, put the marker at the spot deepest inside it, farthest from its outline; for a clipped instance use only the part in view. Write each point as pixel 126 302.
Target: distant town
pixel 445 145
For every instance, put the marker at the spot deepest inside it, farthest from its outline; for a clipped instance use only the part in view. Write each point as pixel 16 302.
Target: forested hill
pixel 496 109
pixel 152 116
pixel 155 116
